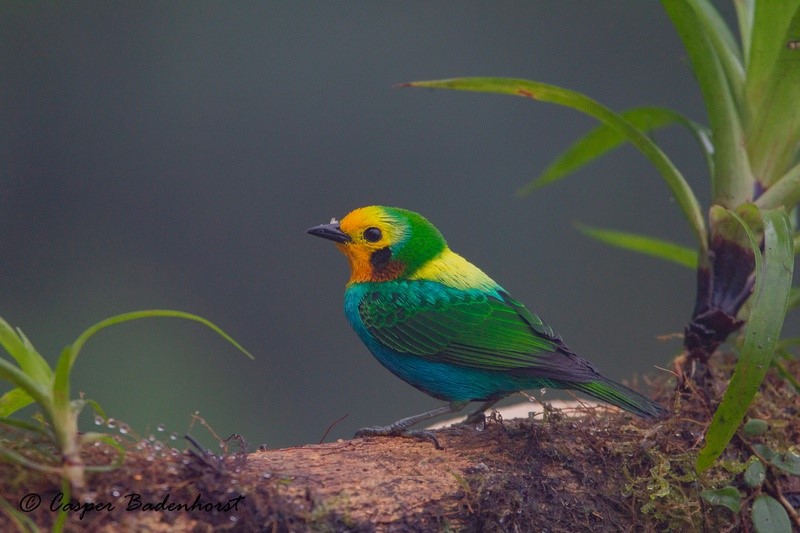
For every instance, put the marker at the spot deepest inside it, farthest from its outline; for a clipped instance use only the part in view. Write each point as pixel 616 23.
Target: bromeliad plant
pixel 751 89
pixel 35 382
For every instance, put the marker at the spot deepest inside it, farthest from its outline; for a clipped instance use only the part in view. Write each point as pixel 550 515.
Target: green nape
pixel 422 243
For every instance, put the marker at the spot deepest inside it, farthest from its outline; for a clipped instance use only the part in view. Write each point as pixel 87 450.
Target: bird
pixel 440 324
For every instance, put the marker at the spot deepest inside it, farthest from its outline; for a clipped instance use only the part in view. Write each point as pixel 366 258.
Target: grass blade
pixel 13 374
pixel 744 14
pixel 23 352
pixel 643 244
pixel 604 138
pixel 68 356
pixel 773 281
pixel 22 522
pixel 575 100
pixel 14 400
pixel 39 429
pixel 724 44
pixel 732 182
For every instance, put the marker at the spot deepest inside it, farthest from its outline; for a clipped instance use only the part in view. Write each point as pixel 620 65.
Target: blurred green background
pixel 172 155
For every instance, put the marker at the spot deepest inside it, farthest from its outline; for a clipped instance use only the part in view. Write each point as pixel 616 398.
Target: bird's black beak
pixel 331 231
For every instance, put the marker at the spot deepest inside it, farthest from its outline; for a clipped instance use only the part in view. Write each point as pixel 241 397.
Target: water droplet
pixel 161 427
pixel 124 429
pixel 173 436
pixel 111 423
pixel 98 420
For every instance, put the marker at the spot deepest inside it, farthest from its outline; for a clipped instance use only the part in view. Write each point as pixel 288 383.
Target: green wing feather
pixel 484 331
pixel 467 328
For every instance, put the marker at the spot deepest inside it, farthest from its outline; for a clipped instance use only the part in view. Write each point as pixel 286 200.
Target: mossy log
pixel 591 469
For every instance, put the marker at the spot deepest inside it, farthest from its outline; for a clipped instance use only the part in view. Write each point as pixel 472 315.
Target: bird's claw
pixel 390 431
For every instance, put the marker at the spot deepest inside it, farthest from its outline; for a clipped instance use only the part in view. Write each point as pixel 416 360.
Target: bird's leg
pixel 478 416
pixel 400 428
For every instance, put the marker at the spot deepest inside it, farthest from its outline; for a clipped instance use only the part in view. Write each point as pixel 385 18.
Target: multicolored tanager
pixel 439 323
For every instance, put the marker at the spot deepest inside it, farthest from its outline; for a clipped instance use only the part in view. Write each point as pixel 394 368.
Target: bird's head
pixel 383 243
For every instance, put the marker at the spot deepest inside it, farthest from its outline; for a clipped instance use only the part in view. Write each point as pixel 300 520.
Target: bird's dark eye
pixel 372 234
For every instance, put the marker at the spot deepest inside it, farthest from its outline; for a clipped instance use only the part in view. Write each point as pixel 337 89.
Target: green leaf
pixel 794 298
pixel 575 100
pixel 13 456
pixel 23 425
pixel 744 14
pixel 21 522
pixel 726 497
pixel 68 356
pixel 643 244
pixel 732 182
pixel 23 352
pixel 152 313
pixel 788 342
pixel 96 408
pixel 14 400
pixel 773 280
pixel 773 76
pixel 755 474
pixel 737 226
pixel 755 427
pixel 14 375
pixel 784 192
pixel 765 451
pixel 723 42
pixel 769 516
pixel 788 462
pixel 605 138
pixel 788 376
pixel 770 23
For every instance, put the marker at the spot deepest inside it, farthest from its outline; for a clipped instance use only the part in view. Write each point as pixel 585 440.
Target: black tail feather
pixel 623 397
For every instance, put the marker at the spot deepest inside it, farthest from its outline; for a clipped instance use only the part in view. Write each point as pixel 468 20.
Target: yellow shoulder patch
pixel 449 268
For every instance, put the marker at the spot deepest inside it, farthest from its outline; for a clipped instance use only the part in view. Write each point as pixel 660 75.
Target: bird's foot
pixel 475 419
pixel 394 431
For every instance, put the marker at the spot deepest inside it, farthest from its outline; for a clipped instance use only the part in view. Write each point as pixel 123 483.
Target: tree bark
pixel 584 468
